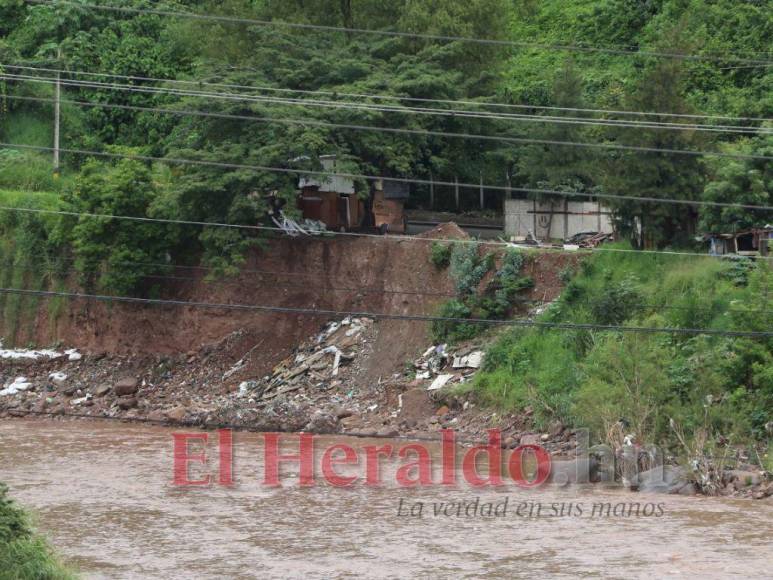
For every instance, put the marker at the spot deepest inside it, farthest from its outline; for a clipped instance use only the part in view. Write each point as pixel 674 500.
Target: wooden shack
pixel 330 199
pixel 751 242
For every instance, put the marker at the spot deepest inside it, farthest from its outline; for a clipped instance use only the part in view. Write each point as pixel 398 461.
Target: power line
pixel 354 176
pixel 324 124
pixel 367 290
pixel 391 237
pixel 332 93
pixel 348 105
pixel 223 282
pixel 387 316
pixel 399 34
pixel 402 110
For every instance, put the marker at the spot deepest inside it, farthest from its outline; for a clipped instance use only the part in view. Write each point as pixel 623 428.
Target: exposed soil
pixel 191 360
pixel 278 371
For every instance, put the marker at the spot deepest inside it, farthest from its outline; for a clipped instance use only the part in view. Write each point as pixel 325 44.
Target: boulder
pixel 664 479
pixel 743 479
pixel 556 429
pixel 322 423
pixel 530 439
pixel 126 386
pixel 126 403
pixel 176 415
pixel 388 432
pixel 343 413
pixel 101 390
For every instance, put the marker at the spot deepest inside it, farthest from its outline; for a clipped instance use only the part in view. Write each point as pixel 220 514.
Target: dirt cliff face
pixel 340 274
pixel 370 275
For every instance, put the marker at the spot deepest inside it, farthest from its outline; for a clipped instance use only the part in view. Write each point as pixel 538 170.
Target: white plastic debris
pixel 336 362
pixel 27 354
pixel 246 387
pixel 471 361
pixel 57 378
pixel 439 382
pixel 234 369
pixel 73 355
pixel 88 397
pixel 19 385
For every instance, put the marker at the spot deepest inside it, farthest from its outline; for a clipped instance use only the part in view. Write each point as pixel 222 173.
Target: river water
pixel 103 494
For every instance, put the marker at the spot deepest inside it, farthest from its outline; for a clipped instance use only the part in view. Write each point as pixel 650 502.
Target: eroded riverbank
pixel 104 495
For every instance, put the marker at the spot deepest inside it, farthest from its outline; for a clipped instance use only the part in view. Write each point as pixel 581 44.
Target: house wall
pixel 319 205
pixel 330 208
pixel 523 216
pixel 390 212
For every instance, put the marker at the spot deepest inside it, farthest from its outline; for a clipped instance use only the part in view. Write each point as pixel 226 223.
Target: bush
pixel 529 367
pixel 593 378
pixel 454 331
pixel 440 255
pixel 566 275
pixel 617 303
pixel 468 268
pixel 23 554
pixel 27 171
pixel 739 271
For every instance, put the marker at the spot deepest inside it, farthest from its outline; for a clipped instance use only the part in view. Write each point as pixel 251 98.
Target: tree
pixel 656 174
pixel 118 255
pixel 743 181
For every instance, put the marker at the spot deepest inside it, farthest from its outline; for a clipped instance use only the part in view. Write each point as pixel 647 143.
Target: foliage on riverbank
pixel 289 67
pixel 494 300
pixel 594 378
pixel 24 555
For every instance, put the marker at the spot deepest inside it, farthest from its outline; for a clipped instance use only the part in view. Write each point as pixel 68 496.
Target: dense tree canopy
pixel 284 64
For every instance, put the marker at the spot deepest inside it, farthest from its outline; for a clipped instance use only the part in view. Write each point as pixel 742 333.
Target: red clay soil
pixel 340 274
pixel 363 275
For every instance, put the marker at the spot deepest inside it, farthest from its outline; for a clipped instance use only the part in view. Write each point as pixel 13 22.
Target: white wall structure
pixel 328 183
pixel 559 220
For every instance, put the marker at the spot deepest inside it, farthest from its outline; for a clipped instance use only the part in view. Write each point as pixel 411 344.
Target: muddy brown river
pixel 103 493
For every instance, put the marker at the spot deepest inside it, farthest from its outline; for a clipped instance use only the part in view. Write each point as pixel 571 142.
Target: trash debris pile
pixel 445 369
pixel 321 364
pixel 589 239
pixel 33 355
pixel 18 385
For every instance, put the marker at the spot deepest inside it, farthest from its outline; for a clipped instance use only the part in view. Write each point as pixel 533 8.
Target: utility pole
pixel 456 192
pixel 57 113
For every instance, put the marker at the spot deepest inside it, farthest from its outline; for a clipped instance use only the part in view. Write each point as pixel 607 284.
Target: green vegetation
pixel 593 378
pixel 284 60
pixel 495 300
pixel 440 254
pixel 24 555
pixel 30 255
pixel 582 377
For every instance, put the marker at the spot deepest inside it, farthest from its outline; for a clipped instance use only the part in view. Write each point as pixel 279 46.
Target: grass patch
pixel 28 255
pixel 24 555
pixel 28 171
pixel 594 378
